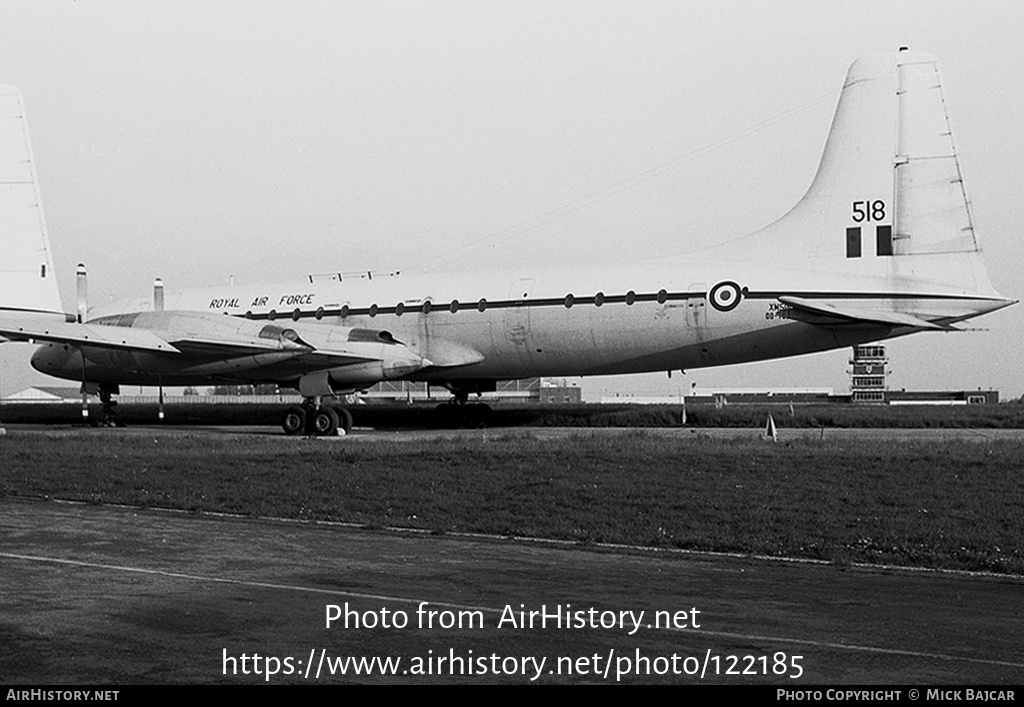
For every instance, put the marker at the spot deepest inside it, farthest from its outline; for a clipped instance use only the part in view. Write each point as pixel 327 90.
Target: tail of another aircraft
pixel 27 278
pixel 888 200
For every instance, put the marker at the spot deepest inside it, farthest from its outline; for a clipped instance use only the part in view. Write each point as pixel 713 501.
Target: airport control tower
pixel 868 373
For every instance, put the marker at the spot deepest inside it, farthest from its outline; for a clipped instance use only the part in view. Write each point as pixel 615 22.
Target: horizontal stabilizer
pixel 98 335
pixel 856 315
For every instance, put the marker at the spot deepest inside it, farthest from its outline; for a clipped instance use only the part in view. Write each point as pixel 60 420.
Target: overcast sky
pixel 195 141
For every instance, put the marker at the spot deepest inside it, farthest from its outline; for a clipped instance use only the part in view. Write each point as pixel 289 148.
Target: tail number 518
pixel 868 211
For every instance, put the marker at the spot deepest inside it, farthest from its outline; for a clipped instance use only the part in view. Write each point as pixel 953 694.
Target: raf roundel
pixel 725 296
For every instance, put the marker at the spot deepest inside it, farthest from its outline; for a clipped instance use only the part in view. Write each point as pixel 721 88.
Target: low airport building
pixel 782 396
pixel 45 394
pixel 535 391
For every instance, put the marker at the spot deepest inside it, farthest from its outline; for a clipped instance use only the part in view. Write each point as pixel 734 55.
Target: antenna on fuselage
pixel 82 292
pixel 158 295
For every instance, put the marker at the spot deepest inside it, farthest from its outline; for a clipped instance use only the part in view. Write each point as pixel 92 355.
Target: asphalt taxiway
pixel 97 594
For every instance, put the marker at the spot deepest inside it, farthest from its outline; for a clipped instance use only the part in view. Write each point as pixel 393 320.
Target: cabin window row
pixel 427 307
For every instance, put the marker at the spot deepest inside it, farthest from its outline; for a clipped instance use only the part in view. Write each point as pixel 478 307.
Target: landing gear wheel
pixel 294 421
pixel 324 422
pixel 344 420
pixel 445 416
pixel 476 416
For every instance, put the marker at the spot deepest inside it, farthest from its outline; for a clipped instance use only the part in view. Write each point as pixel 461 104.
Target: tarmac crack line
pixel 407 600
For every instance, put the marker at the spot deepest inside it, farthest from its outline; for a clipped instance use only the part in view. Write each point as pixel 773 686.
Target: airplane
pixel 881 245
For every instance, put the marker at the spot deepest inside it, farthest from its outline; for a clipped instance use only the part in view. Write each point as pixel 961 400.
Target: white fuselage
pixel 546 322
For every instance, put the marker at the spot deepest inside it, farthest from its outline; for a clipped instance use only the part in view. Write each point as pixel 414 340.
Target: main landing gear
pixel 314 419
pixel 458 413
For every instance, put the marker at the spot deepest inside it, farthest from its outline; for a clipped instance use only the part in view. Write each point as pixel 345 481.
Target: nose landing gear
pixel 108 406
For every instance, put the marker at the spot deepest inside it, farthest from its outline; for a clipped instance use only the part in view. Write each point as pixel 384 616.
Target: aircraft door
pixel 517 317
pixel 697 306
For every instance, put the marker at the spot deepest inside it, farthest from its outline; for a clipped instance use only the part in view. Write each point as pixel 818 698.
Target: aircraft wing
pixel 360 352
pixel 132 339
pixel 199 339
pixel 99 335
pixel 213 349
pixel 200 347
pixel 857 315
pixel 331 359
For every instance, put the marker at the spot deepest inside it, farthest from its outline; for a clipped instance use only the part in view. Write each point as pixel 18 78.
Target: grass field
pixel 396 416
pixel 950 504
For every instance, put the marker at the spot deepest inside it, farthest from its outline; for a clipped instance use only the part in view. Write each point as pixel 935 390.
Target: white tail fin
pixel 931 212
pixel 888 199
pixel 27 278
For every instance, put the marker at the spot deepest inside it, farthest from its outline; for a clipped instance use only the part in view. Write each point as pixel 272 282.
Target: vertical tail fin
pixel 888 199
pixel 27 278
pixel 931 213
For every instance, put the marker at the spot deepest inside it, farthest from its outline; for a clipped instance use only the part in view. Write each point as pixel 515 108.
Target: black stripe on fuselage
pixel 570 301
